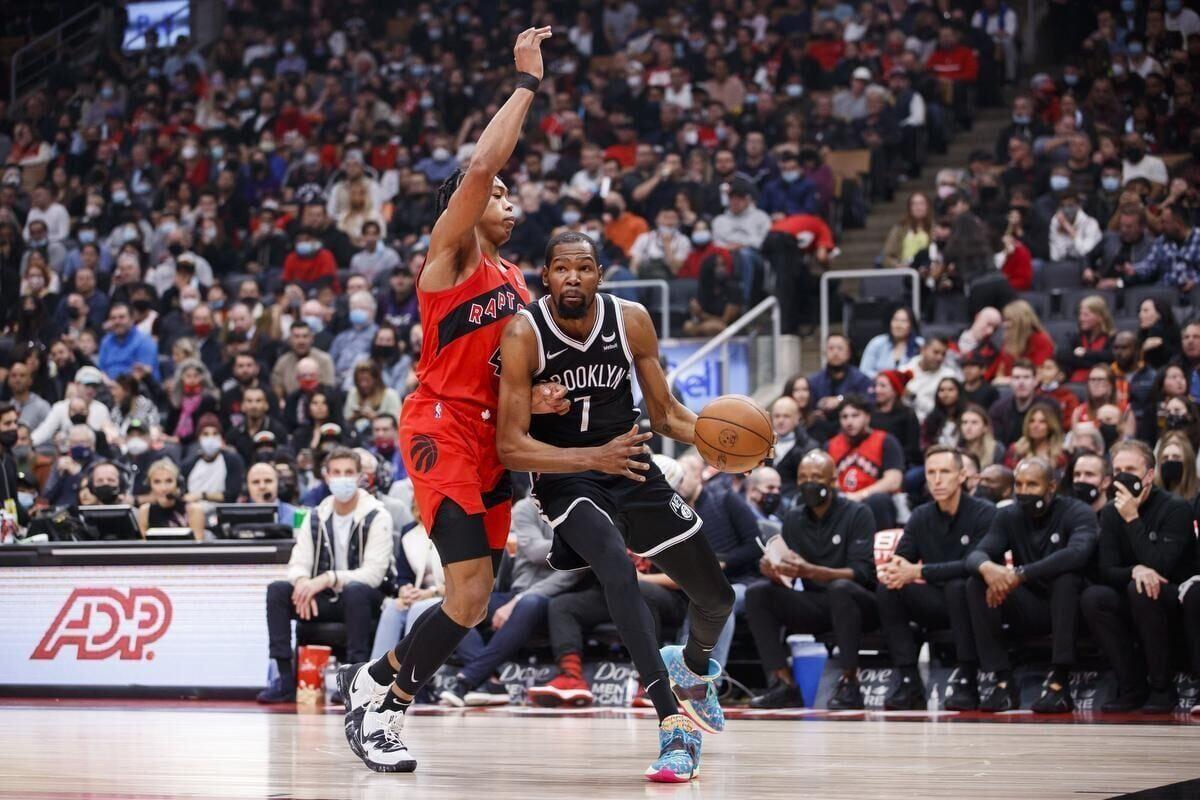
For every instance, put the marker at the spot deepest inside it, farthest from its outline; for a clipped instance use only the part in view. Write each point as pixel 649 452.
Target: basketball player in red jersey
pixel 466 294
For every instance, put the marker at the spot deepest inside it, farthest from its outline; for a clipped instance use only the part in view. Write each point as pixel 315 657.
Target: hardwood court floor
pixel 73 751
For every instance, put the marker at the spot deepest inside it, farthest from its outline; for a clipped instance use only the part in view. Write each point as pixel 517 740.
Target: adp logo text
pixel 101 623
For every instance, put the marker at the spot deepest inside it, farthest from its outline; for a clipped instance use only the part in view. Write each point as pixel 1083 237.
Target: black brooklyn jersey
pixel 597 374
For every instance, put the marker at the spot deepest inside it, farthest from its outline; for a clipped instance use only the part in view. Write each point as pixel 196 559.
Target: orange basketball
pixel 734 433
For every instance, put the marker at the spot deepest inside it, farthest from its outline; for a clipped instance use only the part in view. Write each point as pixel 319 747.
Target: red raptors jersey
pixel 462 326
pixel 857 467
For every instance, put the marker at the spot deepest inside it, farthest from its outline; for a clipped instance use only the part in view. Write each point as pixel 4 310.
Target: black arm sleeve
pixel 1083 530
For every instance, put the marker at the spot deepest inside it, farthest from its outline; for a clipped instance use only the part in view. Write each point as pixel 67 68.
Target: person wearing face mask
pixel 301 345
pixel 355 342
pixel 762 492
pixel 10 492
pixel 439 164
pixel 792 192
pixel 1137 163
pixel 995 485
pixel 1091 475
pixel 825 548
pixel 102 486
pixel 336 572
pixel 937 538
pixel 719 298
pixel 310 264
pixel 1177 472
pixel 1147 549
pixel 88 410
pixel 214 473
pixel 1052 539
pixel 62 488
pixel 52 214
pixel 1073 234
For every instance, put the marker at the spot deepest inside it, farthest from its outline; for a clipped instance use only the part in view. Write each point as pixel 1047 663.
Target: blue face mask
pixel 306 249
pixel 1059 183
pixel 316 323
pixel 343 488
pixel 87 237
pixel 359 317
pixel 1110 183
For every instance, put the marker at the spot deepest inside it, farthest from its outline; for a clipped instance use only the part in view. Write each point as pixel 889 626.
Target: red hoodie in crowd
pixel 957 63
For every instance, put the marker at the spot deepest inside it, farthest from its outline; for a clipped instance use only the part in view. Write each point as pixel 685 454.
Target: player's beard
pixel 572 311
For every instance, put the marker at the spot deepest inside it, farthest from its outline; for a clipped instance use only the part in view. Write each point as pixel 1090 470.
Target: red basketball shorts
pixel 449 451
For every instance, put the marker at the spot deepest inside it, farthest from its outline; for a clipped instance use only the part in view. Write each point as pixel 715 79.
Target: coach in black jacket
pixel 936 541
pixel 830 548
pixel 1147 548
pixel 1052 539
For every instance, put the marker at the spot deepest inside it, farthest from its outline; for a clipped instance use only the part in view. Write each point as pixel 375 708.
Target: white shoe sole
pixel 452 700
pixel 555 697
pixel 485 699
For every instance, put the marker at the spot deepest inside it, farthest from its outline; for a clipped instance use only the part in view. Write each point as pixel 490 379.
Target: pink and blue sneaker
pixel 697 694
pixel 678 751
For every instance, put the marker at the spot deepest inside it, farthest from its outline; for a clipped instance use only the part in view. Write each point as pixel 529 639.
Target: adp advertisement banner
pixel 702 381
pixel 184 625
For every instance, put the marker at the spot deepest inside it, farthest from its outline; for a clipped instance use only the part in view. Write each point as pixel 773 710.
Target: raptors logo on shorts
pixel 423 454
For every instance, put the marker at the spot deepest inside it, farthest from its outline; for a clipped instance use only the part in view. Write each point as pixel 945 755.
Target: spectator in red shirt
pixel 1024 337
pixel 310 264
pixel 1091 344
pixel 812 234
pixel 1018 263
pixel 1051 379
pixel 702 248
pixel 956 68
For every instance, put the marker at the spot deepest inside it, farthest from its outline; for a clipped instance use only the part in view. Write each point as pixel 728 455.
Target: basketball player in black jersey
pixel 592 343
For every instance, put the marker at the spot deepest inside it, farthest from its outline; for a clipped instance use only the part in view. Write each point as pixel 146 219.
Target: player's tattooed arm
pixel 520 451
pixel 668 416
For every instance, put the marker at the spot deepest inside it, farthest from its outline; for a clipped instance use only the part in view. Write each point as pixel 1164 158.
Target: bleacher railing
pixel 842 274
pixel 664 304
pixel 61 44
pixel 721 341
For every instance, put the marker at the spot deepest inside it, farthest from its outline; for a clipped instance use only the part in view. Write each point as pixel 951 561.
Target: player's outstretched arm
pixel 668 416
pixel 520 451
pixel 452 243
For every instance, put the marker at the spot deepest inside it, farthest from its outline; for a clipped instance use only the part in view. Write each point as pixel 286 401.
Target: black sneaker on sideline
pixel 781 695
pixel 995 698
pixel 1054 701
pixel 277 692
pixel 1161 701
pixel 1127 700
pixel 847 696
pixel 907 695
pixel 491 693
pixel 962 691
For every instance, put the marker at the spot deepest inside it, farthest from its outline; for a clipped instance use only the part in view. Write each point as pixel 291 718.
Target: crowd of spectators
pixel 213 255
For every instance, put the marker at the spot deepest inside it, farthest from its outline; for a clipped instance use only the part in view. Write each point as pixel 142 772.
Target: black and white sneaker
pixel 452 693
pixel 359 692
pixel 492 693
pixel 383 751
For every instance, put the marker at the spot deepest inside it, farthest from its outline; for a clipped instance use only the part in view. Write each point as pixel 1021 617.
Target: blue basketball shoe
pixel 697 694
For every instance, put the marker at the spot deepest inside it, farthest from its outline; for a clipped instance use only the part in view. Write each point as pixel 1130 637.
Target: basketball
pixel 734 433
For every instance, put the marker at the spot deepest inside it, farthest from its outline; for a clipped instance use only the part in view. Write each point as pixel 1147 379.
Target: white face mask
pixel 188 304
pixel 210 445
pixel 136 445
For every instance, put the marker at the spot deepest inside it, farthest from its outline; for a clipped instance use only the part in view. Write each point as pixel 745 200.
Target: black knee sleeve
pixel 458 536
